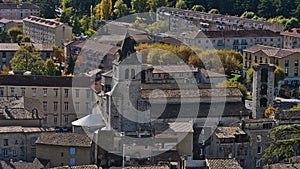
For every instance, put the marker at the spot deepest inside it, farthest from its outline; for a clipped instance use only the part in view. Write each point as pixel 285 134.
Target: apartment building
pixel 18 10
pixel 291 38
pixel 186 20
pixel 63 99
pixel 237 40
pixel 65 149
pixel 46 31
pixel 8 50
pixel 18 143
pixel 288 59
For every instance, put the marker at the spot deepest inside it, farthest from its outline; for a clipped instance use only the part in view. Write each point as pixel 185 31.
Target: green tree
pixel 139 6
pixel 235 84
pixel 181 4
pixel 58 56
pixel 198 8
pixel 248 15
pixel 28 58
pixel 292 23
pixel 106 9
pixel 215 11
pixel 71 64
pixel 286 145
pixel 13 33
pixel 266 8
pixel 50 68
pixel 154 4
pixel 157 27
pixel 278 73
pixel 120 9
pixel 47 7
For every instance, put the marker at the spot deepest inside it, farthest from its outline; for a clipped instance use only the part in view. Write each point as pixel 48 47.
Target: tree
pixel 13 33
pixel 154 4
pixel 59 56
pixel 235 84
pixel 47 7
pixel 71 64
pixel 295 107
pixel 106 9
pixel 271 110
pixel 248 15
pixel 292 23
pixel 50 68
pixel 27 58
pixel 215 11
pixel 181 4
pixel 157 27
pixel 278 73
pixel 121 9
pixel 286 145
pixel 138 6
pixel 198 8
pixel 196 61
pixel 5 70
pixel 266 8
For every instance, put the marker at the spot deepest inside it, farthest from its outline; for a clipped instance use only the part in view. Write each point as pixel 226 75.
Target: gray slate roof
pixel 64 139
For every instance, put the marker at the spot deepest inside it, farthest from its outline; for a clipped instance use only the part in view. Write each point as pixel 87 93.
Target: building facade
pixel 63 99
pixel 8 50
pixel 46 31
pixel 186 20
pixel 18 143
pixel 291 38
pixel 6 24
pixel 237 40
pixel 18 10
pixel 287 59
pixel 65 149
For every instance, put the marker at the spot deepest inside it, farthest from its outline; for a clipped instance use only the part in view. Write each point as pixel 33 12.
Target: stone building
pixel 18 143
pixel 6 24
pixel 8 50
pixel 291 38
pixel 18 10
pixel 181 19
pixel 263 89
pixel 62 99
pixel 65 149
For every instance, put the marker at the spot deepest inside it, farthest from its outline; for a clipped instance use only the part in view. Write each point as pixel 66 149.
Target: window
pixel 66 105
pixel 286 71
pixel 296 71
pixel 72 151
pixel 12 91
pixel 77 93
pixel 267 125
pixel 61 154
pixel 72 161
pixel 55 92
pixel 257 163
pixel 77 106
pixel 127 74
pixel 33 91
pixel 66 119
pixel 88 93
pixel 45 119
pixel 66 93
pixel 33 139
pixel 1 91
pixel 132 74
pixel 4 152
pixel 45 92
pixel 286 63
pixel 259 150
pixel 296 62
pixel 44 106
pixel 87 107
pixel 14 153
pixel 258 138
pixel 55 119
pixel 23 91
pixel 263 102
pixel 16 142
pixel 55 106
pixel 5 142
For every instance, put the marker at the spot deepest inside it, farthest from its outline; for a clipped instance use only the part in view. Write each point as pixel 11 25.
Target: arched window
pixel 263 89
pixel 127 74
pixel 132 74
pixel 263 102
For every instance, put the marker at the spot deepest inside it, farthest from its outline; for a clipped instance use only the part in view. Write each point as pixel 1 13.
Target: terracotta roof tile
pixel 228 132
